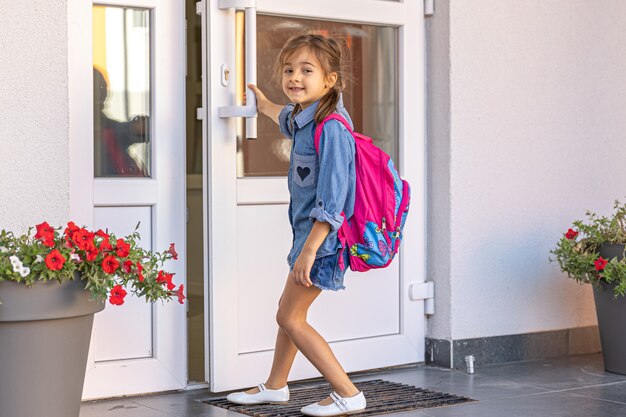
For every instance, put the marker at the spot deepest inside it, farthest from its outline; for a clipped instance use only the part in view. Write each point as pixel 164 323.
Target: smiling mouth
pixel 295 89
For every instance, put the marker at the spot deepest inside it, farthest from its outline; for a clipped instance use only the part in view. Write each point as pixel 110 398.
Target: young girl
pixel 321 187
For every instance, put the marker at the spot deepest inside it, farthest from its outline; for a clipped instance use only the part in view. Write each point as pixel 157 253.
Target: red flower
pixel 55 260
pixel 92 254
pixel 84 239
pixel 46 234
pixel 139 274
pixel 600 263
pixel 166 279
pixel 102 234
pixel 110 264
pixel 180 294
pixel 105 245
pixel 43 230
pixel 127 266
pixel 172 251
pixel 117 295
pixel 122 248
pixel 571 234
pixel 70 229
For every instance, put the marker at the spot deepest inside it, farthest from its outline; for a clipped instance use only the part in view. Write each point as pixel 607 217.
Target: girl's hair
pixel 332 58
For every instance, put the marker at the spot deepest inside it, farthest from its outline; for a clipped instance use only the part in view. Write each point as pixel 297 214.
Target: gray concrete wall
pixel 34 115
pixel 535 136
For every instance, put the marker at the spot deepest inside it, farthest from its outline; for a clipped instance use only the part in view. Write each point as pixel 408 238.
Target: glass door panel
pixel 371 98
pixel 121 77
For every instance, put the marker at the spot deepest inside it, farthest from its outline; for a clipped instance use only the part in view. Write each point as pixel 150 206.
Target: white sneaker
pixel 265 395
pixel 347 405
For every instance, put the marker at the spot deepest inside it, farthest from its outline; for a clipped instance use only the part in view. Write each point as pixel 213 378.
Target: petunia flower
pixel 139 272
pixel 117 295
pixel 55 260
pixel 180 294
pixel 165 278
pixel 600 263
pixel 110 264
pixel 127 266
pixel 123 248
pixel 172 251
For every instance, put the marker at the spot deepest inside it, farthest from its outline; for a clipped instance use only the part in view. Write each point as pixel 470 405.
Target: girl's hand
pixel 261 100
pixel 263 105
pixel 302 268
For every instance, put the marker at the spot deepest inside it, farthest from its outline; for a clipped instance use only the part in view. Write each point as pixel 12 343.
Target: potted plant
pixel 51 285
pixel 593 252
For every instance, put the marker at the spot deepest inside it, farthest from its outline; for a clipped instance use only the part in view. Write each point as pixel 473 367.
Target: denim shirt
pixel 320 186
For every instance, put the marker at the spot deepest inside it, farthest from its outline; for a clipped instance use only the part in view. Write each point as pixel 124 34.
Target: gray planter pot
pixel 611 314
pixel 44 342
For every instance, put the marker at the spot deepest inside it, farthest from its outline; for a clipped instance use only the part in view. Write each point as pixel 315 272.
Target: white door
pixel 127 108
pixel 373 323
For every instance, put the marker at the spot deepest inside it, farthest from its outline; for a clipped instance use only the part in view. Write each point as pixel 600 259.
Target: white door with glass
pixel 127 77
pixel 374 322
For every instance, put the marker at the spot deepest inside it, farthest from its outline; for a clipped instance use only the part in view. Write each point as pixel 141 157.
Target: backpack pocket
pixel 303 172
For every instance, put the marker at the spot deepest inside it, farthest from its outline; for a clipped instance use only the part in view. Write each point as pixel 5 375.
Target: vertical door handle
pixel 249 110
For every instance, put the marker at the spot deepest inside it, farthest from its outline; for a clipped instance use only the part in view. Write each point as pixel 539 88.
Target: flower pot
pixel 611 314
pixel 44 342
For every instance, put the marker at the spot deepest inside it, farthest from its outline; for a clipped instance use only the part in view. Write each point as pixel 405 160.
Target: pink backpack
pixel 381 204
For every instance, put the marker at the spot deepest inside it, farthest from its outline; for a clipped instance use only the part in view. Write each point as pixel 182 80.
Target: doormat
pixel 382 397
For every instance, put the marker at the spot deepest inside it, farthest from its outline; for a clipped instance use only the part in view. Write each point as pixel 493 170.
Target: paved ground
pixel 576 386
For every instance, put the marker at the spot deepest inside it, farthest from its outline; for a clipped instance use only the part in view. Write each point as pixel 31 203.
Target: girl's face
pixel 304 80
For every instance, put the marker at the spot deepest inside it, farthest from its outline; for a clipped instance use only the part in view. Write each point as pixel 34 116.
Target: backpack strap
pixel 320 127
pixel 341 234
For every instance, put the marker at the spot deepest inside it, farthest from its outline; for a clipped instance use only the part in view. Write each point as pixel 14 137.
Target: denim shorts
pixel 326 273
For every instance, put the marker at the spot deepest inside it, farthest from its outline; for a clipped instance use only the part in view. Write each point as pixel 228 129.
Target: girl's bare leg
pixel 291 317
pixel 284 355
pixel 293 332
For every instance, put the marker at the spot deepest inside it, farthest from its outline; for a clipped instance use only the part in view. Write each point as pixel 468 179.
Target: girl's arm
pixel 272 110
pixel 302 267
pixel 336 156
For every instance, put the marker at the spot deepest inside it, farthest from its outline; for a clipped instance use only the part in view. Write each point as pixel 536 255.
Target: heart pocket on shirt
pixel 304 172
pixel 304 169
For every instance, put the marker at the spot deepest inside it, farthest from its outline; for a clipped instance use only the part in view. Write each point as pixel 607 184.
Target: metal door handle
pixel 248 111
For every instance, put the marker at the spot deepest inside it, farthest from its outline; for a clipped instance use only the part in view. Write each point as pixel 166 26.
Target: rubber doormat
pixel 382 397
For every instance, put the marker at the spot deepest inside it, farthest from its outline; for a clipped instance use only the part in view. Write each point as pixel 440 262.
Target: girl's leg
pixel 291 317
pixel 284 354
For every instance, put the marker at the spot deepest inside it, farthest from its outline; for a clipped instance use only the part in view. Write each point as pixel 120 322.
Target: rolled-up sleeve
pixel 336 150
pixel 283 120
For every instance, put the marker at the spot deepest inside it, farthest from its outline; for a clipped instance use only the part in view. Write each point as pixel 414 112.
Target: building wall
pixel 535 136
pixel 34 132
pixel 438 234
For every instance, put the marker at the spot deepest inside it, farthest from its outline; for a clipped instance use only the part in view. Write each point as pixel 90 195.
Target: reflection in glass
pixel 121 87
pixel 371 99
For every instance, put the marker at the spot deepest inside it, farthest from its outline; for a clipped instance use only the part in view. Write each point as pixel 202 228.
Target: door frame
pixel 412 162
pixel 167 368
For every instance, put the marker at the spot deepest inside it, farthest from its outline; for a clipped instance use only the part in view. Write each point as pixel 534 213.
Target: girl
pixel 321 187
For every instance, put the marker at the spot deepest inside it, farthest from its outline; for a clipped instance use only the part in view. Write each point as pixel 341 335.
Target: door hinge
pixel 200 7
pixel 429 7
pixel 424 291
pixel 200 113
